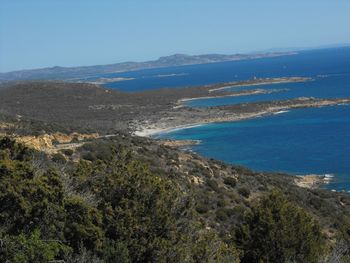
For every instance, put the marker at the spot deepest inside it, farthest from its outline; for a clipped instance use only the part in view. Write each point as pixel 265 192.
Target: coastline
pixel 239 94
pixel 311 181
pixel 167 126
pixel 152 131
pixel 308 181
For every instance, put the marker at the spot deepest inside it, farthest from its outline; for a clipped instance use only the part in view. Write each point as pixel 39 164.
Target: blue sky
pixel 44 33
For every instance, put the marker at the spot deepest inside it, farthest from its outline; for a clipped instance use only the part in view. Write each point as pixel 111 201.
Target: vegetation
pixel 277 230
pixel 114 208
pixel 119 202
pixel 230 181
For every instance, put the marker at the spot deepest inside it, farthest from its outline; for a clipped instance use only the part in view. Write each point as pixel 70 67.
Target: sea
pixel 299 142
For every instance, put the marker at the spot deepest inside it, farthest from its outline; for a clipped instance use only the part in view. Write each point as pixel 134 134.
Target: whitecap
pixel 280 112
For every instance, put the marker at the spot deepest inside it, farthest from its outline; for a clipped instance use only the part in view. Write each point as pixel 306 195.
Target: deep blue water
pixel 304 141
pixel 298 142
pixel 331 86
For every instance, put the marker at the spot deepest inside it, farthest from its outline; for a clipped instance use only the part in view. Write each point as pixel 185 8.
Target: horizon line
pixel 265 51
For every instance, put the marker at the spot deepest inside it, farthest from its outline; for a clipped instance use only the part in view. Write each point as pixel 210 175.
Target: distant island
pixel 78 74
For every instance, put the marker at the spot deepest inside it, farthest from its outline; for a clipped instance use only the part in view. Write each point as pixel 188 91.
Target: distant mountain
pixel 78 73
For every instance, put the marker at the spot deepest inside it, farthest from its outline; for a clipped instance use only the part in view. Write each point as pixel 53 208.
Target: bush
pixel 221 214
pixel 55 142
pixel 67 152
pixel 230 181
pixel 239 211
pixel 82 228
pixel 89 156
pixel 100 151
pixel 74 140
pixel 279 231
pixel 213 185
pixel 221 203
pixel 31 248
pixel 202 208
pixel 58 158
pixel 116 252
pixel 245 192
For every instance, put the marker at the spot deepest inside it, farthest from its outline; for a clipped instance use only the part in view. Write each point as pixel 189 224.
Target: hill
pixel 135 200
pixel 89 107
pixel 69 194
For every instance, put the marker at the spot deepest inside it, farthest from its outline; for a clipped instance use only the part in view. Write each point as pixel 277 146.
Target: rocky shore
pixel 310 181
pixel 178 143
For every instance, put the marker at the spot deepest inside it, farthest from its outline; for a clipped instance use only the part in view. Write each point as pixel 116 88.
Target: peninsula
pixel 92 107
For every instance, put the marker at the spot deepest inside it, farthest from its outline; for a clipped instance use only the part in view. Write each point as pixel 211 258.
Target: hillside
pixel 75 183
pixel 132 199
pixel 92 108
pixel 69 193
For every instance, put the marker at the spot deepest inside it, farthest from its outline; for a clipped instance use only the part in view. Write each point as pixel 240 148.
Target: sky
pixel 46 33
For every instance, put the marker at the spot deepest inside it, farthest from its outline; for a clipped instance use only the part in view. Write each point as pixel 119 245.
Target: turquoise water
pixel 304 141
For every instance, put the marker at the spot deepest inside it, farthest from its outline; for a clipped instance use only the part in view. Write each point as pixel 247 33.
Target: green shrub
pixel 202 208
pixel 31 248
pixel 243 191
pixel 221 214
pixel 83 224
pixel 279 231
pixel 213 185
pixel 74 140
pixel 230 181
pixel 221 202
pixel 116 252
pixel 239 212
pixel 55 142
pixel 89 156
pixel 58 158
pixel 67 152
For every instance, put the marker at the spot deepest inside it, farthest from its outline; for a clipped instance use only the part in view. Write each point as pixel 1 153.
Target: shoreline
pixel 166 127
pixel 239 94
pixel 312 181
pixel 150 132
pixel 178 143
